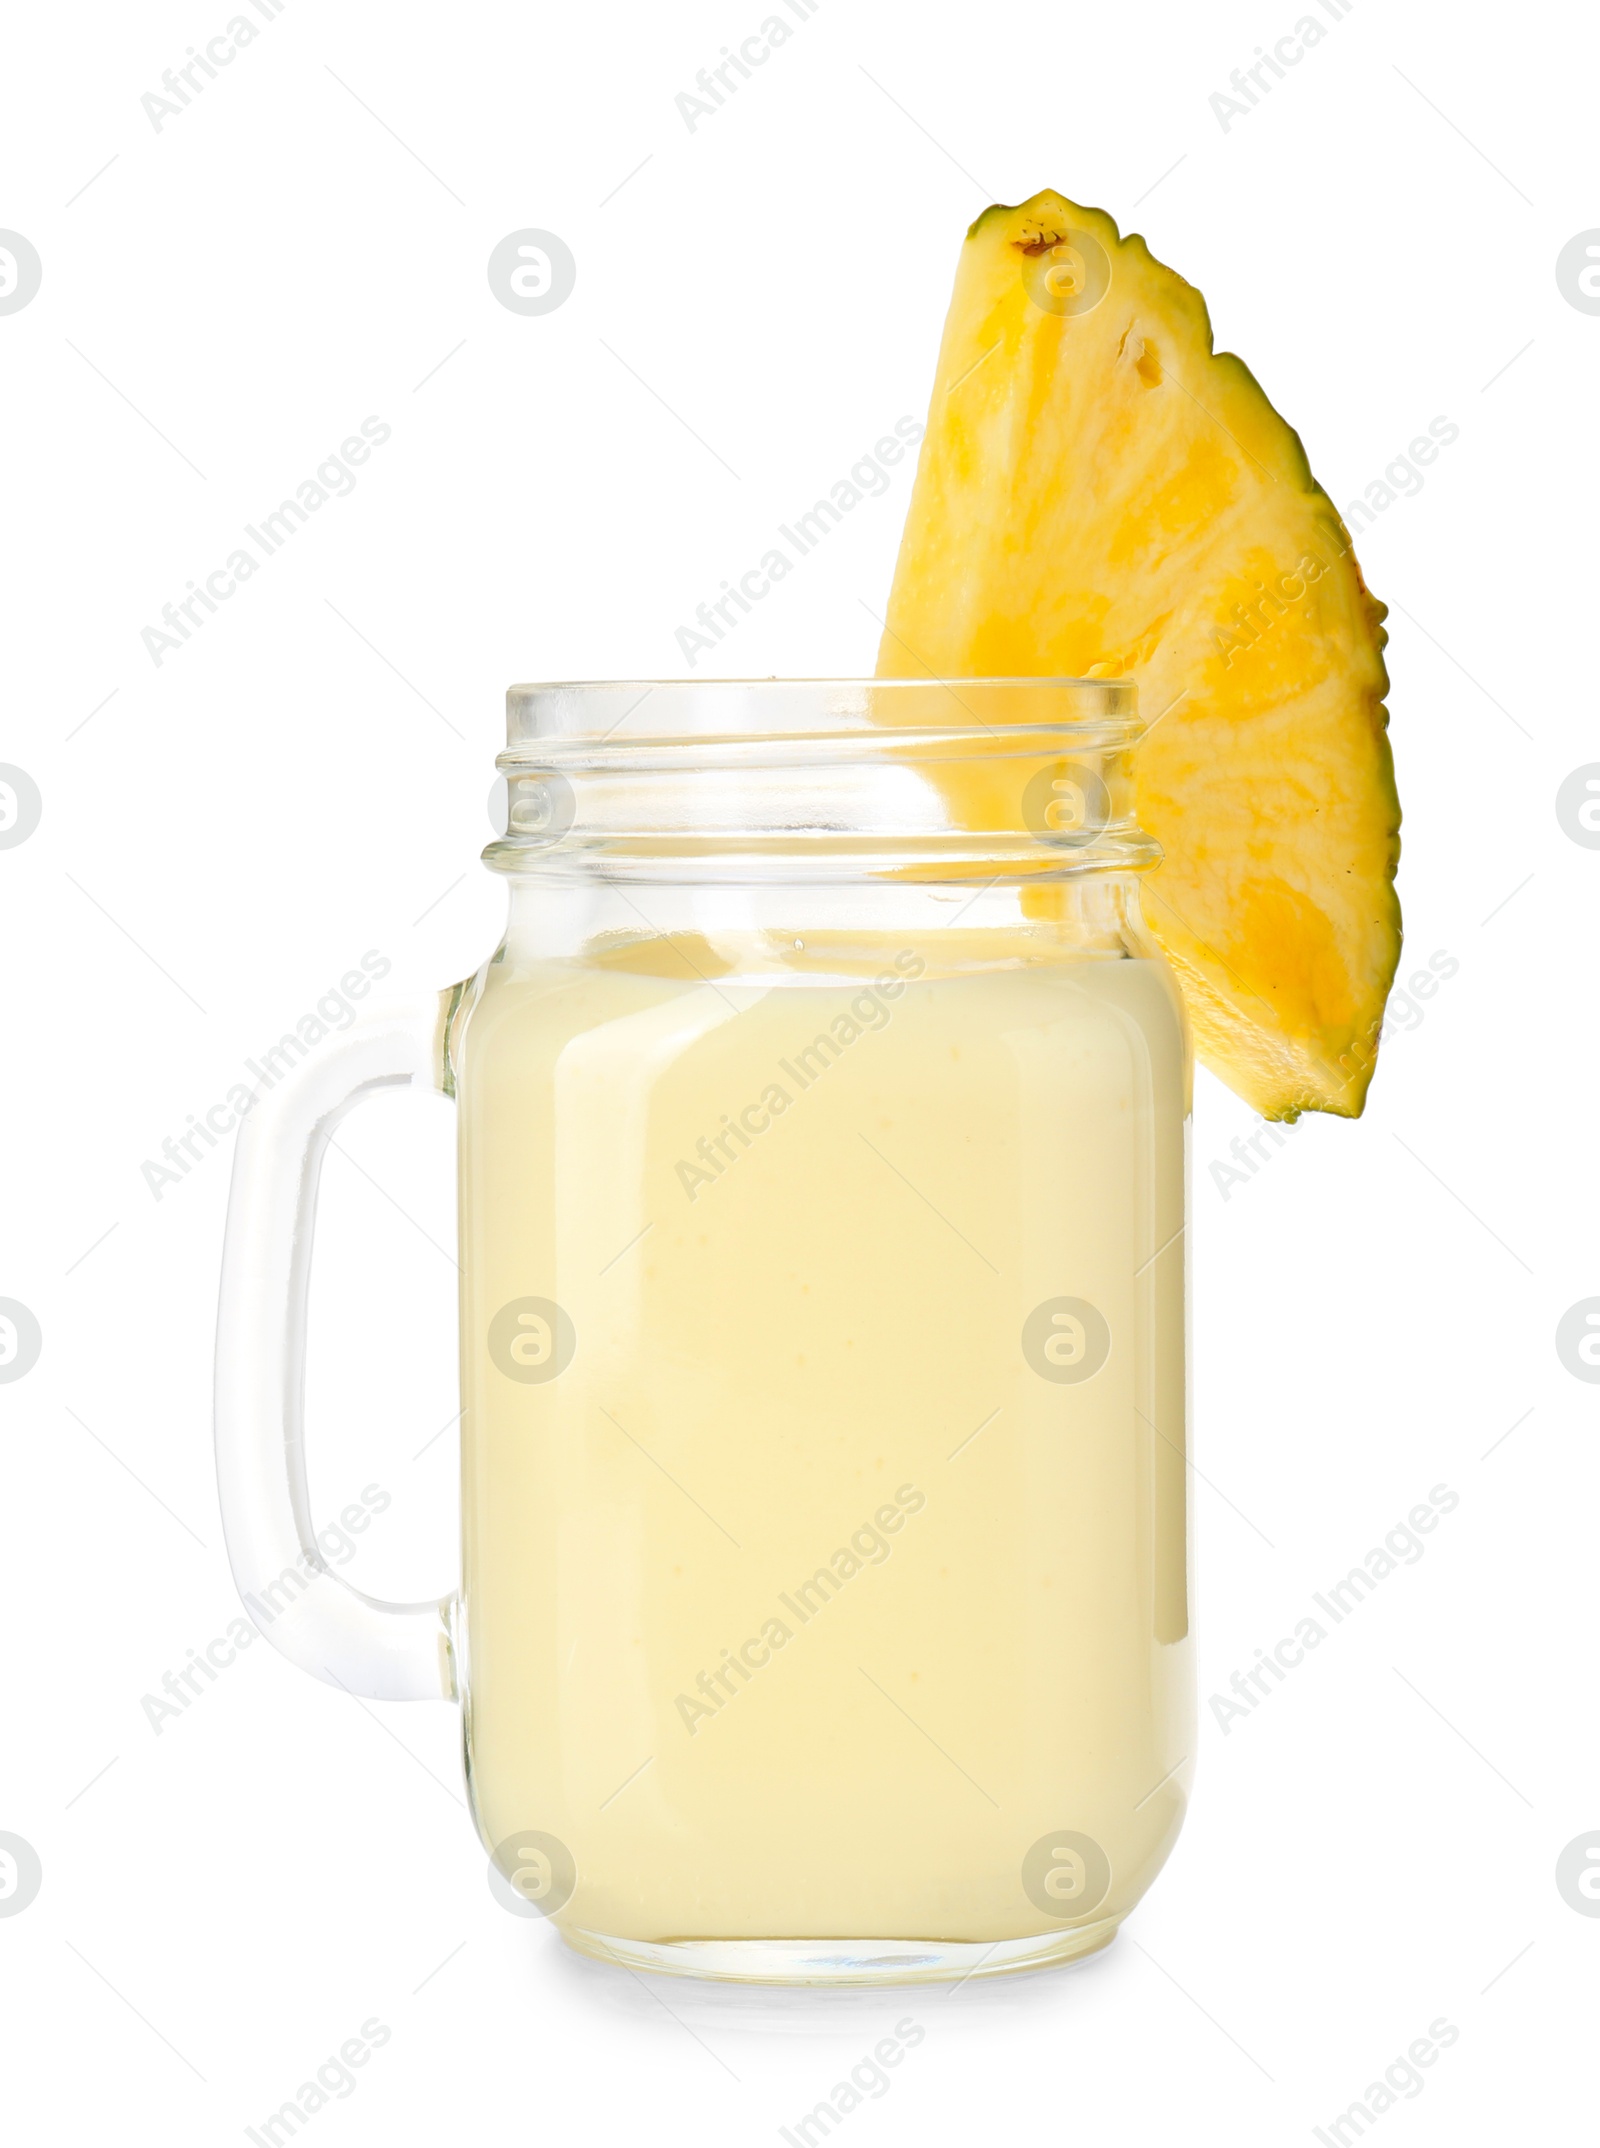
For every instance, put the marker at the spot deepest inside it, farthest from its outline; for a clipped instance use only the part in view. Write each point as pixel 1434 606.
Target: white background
pixel 225 1903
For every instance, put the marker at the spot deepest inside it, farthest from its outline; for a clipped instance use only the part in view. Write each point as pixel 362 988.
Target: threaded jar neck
pixel 821 780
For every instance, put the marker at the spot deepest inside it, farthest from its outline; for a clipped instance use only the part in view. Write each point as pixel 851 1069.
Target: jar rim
pixel 750 780
pixel 630 713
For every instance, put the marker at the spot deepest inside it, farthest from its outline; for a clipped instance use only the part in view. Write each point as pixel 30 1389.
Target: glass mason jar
pixel 825 1602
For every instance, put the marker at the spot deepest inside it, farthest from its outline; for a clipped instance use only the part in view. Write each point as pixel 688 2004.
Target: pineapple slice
pixel 1101 495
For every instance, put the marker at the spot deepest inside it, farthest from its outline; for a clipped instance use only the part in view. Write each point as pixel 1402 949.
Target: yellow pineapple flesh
pixel 1100 495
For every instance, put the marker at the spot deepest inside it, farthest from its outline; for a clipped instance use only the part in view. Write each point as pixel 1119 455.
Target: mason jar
pixel 824 1612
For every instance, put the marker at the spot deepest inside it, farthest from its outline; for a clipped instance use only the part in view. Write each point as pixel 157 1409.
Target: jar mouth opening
pixel 724 780
pixel 558 723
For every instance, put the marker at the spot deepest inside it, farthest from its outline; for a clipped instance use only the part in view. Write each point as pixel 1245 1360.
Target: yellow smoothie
pixel 823 1442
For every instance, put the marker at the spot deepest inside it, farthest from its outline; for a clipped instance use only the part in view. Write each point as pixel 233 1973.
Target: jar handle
pixel 380 1650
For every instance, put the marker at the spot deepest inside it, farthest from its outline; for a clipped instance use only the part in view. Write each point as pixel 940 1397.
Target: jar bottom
pixel 844 1961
